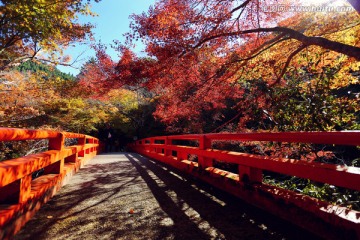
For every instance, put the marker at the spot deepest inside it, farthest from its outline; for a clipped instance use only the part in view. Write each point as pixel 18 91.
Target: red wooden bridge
pixel 188 160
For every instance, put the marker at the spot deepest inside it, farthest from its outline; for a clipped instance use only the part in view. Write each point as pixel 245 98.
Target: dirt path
pixel 126 196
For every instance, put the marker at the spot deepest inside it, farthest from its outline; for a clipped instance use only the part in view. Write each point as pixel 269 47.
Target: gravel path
pixel 126 196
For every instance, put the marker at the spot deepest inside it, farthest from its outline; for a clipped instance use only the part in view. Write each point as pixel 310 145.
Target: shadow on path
pixel 216 213
pixel 127 196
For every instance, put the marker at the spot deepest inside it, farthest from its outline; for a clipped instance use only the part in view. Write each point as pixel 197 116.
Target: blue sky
pixel 113 21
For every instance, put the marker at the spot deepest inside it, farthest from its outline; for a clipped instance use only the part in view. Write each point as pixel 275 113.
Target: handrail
pixel 248 183
pixel 16 134
pixel 342 137
pixel 18 188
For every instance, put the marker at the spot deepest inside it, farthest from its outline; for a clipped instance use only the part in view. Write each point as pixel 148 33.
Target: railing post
pixel 82 142
pixel 25 188
pixel 92 149
pixel 152 148
pixel 56 144
pixel 204 143
pixel 181 155
pixel 250 174
pixel 88 150
pixel 158 149
pixel 96 141
pixel 168 142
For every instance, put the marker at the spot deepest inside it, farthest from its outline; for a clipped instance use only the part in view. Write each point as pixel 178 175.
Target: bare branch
pixel 243 5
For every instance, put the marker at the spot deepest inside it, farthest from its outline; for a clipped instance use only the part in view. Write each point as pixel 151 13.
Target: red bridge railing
pixel 311 213
pixel 20 194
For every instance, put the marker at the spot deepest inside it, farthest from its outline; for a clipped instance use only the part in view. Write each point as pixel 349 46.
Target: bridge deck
pixel 98 204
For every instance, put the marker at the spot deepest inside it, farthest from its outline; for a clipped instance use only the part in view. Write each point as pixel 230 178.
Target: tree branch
pixel 240 6
pixel 346 49
pixel 302 47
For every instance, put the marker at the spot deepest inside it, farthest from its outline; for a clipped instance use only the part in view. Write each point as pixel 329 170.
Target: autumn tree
pixel 204 50
pixel 21 98
pixel 28 28
pixel 176 28
pixel 96 74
